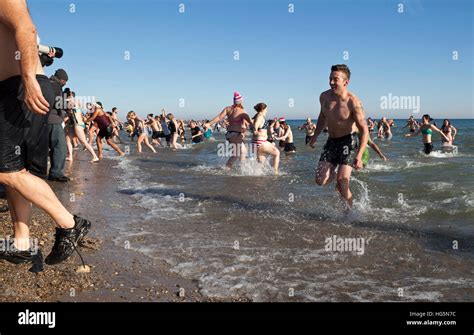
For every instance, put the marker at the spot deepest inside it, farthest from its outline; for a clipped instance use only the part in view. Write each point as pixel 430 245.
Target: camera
pixel 43 49
pixel 44 52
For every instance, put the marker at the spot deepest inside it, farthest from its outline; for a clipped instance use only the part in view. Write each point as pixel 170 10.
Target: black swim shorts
pixel 290 147
pixel 23 134
pixel 340 150
pixel 428 148
pixel 106 132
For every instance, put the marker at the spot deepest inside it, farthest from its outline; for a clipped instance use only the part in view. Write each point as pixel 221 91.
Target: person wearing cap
pixel 57 137
pixel 427 129
pixel 238 121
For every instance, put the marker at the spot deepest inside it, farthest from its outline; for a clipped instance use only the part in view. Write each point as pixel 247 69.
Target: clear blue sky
pixel 283 55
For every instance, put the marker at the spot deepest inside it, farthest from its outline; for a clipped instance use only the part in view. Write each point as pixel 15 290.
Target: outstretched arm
pixel 219 117
pixel 416 133
pixel 433 127
pixel 93 116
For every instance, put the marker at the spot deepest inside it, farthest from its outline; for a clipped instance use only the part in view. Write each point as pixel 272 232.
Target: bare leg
pixel 343 177
pixel 91 135
pixel 243 151
pixel 33 189
pixel 115 147
pixel 99 147
pixel 139 142
pixel 324 173
pixel 267 148
pixel 233 154
pixel 20 211
pixel 174 138
pixel 147 143
pixel 82 138
pixel 69 148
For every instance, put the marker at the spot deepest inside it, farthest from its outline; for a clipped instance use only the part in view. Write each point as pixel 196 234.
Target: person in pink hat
pixel 238 121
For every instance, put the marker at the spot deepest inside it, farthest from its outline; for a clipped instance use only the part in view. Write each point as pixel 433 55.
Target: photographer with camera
pixel 26 97
pixel 57 137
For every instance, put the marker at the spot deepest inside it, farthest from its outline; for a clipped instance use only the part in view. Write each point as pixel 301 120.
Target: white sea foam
pixel 148 196
pixel 397 165
pixel 439 186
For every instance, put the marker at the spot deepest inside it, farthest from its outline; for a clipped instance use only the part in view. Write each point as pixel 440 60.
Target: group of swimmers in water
pixel 341 116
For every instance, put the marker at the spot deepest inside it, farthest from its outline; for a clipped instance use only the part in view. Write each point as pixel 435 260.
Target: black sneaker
pixel 61 179
pixel 34 256
pixel 66 241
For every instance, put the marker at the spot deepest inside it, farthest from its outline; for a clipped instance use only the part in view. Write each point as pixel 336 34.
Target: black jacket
pixel 57 113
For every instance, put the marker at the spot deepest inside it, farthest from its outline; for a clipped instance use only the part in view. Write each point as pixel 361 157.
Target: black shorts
pixel 428 148
pixel 289 147
pixel 106 132
pixel 23 134
pixel 307 139
pixel 281 144
pixel 157 134
pixel 340 150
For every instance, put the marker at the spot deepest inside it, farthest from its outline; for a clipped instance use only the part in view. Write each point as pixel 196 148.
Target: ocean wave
pixel 396 166
pixel 439 186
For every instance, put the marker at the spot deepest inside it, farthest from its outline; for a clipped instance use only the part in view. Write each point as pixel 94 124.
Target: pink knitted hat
pixel 237 98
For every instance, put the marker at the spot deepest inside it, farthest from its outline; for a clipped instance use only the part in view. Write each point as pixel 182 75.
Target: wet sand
pixel 117 273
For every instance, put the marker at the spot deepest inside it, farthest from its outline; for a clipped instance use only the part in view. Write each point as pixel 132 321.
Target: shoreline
pixel 117 274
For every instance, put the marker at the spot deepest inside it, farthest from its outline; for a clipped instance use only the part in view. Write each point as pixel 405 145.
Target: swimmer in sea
pixel 287 137
pixel 260 143
pixel 309 127
pixel 340 111
pixel 450 133
pixel 237 118
pixel 427 129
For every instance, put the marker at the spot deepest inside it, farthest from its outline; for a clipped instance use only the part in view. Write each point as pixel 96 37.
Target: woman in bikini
pixel 450 133
pixel 260 143
pixel 427 129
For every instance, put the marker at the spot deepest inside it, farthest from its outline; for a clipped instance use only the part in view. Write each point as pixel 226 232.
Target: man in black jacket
pixel 57 137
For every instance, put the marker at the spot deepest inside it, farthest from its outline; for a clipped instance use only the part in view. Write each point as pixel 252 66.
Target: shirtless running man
pixel 340 109
pixel 310 127
pixel 412 124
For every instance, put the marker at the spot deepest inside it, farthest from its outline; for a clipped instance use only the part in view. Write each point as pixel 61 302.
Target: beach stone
pixel 83 269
